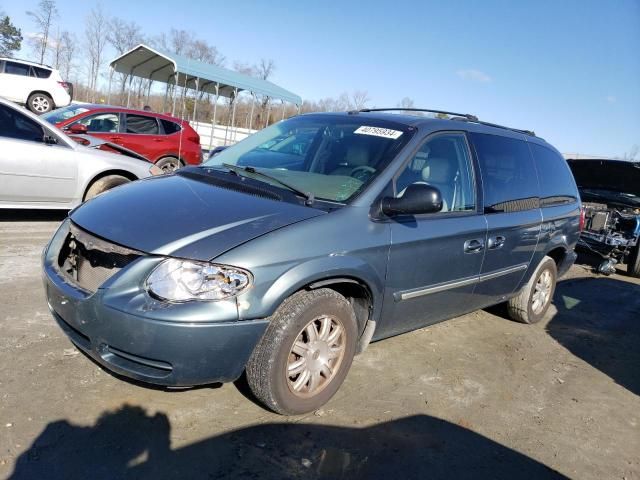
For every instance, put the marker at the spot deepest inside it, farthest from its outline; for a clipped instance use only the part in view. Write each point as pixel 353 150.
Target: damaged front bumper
pixel 133 334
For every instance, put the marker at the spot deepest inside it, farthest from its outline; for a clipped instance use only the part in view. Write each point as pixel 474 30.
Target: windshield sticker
pixel 378 132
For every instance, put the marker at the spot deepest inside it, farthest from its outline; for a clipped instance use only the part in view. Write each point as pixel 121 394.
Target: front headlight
pixel 182 280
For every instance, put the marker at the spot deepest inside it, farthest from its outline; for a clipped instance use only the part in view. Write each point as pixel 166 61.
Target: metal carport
pixel 157 65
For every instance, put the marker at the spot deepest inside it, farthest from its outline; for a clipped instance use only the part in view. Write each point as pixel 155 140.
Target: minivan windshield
pixel 330 157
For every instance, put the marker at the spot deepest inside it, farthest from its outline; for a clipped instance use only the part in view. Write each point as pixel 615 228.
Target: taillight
pixel 194 137
pixel 582 218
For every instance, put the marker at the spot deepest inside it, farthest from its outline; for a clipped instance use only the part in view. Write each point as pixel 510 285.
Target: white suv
pixel 37 86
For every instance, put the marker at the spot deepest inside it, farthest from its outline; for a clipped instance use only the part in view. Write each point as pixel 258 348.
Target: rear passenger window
pixel 142 125
pixel 509 176
pixel 170 127
pixel 14 68
pixel 557 185
pixel 40 72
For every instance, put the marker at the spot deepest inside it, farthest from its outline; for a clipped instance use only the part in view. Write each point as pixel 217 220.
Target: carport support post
pixel 129 92
pixel 176 80
pixel 195 101
pixel 233 113
pixel 283 106
pixel 109 88
pixel 253 103
pixel 213 120
pixel 166 94
pixel 266 120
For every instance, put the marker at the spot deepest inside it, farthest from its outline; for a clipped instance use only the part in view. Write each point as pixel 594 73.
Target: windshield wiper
pixel 309 198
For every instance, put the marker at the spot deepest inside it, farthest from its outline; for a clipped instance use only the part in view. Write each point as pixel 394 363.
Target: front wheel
pixel 40 103
pixel 633 262
pixel 305 354
pixel 531 304
pixel 169 164
pixel 103 184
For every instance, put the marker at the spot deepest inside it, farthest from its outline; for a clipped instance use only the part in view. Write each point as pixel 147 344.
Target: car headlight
pixel 183 280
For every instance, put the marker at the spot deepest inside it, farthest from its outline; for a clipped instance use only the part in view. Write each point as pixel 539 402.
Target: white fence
pixel 222 134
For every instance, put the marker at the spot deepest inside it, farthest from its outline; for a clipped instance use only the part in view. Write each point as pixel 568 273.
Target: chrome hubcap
pixel 315 356
pixel 542 292
pixel 40 104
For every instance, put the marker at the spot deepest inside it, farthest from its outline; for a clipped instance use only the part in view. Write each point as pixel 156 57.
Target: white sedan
pixel 41 167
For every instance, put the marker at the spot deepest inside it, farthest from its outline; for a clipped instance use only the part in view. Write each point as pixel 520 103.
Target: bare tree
pixel 633 153
pixel 180 41
pixel 95 34
pixel 43 17
pixel 68 53
pixel 406 102
pixel 203 52
pixel 359 100
pixel 123 36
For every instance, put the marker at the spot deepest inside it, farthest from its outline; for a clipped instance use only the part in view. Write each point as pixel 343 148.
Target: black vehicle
pixel 610 190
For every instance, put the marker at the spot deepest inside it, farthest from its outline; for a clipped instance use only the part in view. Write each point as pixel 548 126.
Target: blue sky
pixel 570 70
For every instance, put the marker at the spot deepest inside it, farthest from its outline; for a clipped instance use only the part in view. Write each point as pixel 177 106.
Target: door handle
pixel 496 242
pixel 115 138
pixel 473 246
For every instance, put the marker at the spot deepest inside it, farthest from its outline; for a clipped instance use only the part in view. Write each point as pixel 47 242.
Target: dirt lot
pixel 475 397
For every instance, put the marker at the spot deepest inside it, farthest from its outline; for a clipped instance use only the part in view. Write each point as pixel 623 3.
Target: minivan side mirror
pixel 78 128
pixel 418 198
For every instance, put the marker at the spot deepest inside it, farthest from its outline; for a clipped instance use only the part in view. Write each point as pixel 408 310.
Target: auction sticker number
pixel 378 132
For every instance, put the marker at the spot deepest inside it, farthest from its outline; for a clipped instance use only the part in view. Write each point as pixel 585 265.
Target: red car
pixel 166 141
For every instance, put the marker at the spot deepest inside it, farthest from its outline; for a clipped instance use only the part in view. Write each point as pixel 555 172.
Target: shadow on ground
pixel 598 320
pixel 18 215
pixel 128 443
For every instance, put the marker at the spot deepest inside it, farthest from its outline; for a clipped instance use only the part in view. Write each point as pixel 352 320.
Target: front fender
pixel 263 300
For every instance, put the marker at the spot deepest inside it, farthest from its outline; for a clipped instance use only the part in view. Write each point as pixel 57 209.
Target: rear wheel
pixel 532 303
pixel 40 103
pixel 103 184
pixel 169 164
pixel 305 354
pixel 633 263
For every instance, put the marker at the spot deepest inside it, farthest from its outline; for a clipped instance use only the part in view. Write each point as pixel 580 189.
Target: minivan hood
pixel 182 217
pixel 615 175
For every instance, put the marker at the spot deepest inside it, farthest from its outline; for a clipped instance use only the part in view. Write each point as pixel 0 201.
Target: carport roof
pixel 158 65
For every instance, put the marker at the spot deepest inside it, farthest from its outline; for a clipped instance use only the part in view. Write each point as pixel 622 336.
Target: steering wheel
pixel 362 172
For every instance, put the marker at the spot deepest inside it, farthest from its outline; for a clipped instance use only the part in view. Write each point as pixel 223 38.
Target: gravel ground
pixel 477 396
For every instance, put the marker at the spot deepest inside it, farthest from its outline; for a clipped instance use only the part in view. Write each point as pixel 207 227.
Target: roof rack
pixel 470 118
pixel 464 117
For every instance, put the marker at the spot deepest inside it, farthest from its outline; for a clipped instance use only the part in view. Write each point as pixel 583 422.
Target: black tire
pixel 169 164
pixel 521 307
pixel 633 262
pixel 103 184
pixel 267 373
pixel 40 103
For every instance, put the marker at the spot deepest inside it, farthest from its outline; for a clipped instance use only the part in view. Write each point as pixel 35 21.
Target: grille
pixel 88 261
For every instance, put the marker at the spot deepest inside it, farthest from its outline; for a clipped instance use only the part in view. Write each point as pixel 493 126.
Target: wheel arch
pixel 350 276
pixel 106 173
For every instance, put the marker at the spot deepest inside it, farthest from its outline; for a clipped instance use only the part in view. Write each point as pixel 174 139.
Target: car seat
pixel 356 155
pixel 440 172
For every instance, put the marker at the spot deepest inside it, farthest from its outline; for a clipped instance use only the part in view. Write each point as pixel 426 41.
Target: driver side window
pixel 101 122
pixel 20 127
pixel 444 162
